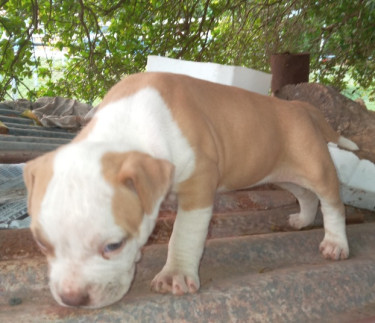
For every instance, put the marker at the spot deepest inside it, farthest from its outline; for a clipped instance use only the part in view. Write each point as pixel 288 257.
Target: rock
pixel 349 118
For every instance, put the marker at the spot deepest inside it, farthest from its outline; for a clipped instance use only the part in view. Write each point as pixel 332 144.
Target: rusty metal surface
pixel 15 157
pixel 278 277
pixel 274 277
pixel 235 214
pixel 24 140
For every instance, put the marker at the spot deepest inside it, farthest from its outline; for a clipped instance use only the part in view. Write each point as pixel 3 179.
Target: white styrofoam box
pixel 345 162
pixel 357 178
pixel 242 77
pixel 364 176
pixel 358 197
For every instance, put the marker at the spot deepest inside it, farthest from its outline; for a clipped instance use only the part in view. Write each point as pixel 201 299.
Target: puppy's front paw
pixel 174 282
pixel 335 249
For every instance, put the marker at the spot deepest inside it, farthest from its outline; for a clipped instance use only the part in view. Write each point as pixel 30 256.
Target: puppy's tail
pixel 347 144
pixel 329 134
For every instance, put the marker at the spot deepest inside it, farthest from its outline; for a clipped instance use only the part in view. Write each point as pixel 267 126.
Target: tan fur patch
pixel 244 136
pixel 45 246
pixel 139 180
pixel 127 210
pixel 199 190
pixel 126 206
pixel 37 175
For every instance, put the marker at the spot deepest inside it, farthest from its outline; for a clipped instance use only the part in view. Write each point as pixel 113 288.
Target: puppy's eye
pixel 112 248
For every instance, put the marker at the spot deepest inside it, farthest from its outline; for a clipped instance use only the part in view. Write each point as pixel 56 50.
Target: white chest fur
pixel 143 122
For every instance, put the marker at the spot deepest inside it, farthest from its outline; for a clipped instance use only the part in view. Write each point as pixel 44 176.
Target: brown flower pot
pixel 289 68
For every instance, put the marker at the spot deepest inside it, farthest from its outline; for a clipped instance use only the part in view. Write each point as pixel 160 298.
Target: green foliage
pixel 106 40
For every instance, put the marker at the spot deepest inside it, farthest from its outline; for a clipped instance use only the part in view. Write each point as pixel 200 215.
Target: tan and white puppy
pixel 94 202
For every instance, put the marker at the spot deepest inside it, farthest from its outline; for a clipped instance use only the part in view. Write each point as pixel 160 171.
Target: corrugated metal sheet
pixel 25 140
pixel 274 277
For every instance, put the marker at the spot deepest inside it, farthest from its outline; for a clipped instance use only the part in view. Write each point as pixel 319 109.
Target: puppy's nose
pixel 75 298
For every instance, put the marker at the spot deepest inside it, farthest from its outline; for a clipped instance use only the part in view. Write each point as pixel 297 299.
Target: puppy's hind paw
pixel 300 220
pixel 175 283
pixel 296 221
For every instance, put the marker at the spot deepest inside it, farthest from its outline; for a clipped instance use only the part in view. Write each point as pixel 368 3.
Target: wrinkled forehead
pixel 79 159
pixel 77 176
pixel 77 197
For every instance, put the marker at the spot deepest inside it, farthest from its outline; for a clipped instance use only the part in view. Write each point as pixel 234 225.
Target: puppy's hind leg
pixel 335 243
pixel 308 202
pixel 322 180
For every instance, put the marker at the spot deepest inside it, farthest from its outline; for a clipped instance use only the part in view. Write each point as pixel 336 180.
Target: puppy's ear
pixel 37 174
pixel 29 177
pixel 149 177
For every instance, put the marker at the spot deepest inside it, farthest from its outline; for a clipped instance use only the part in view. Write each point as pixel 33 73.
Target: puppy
pixel 94 201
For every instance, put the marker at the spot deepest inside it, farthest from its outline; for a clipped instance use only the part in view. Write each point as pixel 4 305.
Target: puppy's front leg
pixel 180 273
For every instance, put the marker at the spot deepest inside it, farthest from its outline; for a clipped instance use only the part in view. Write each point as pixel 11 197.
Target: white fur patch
pixel 143 122
pixel 335 243
pixel 180 273
pixel 185 249
pixel 308 202
pixel 77 219
pixel 76 212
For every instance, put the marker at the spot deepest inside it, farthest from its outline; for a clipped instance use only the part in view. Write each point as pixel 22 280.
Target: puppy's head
pixel 91 212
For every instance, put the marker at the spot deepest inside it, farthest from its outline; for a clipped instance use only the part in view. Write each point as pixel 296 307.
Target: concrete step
pixel 278 277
